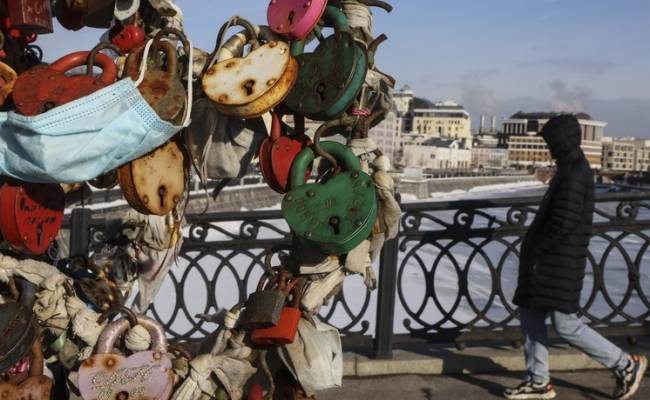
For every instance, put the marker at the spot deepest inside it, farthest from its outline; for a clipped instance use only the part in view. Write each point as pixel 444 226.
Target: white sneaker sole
pixel 532 396
pixel 635 385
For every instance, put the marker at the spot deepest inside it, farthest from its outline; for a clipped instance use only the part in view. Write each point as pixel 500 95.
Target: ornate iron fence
pixel 449 276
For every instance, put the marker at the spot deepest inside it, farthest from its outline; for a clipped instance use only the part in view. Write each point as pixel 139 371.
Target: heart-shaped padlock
pixel 155 183
pixel 331 77
pixel 143 375
pixel 31 215
pixel 295 19
pixel 335 215
pixel 249 86
pixel 161 86
pixel 41 88
pixel 278 151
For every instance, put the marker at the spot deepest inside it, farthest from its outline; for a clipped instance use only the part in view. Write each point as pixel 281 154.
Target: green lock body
pixel 330 78
pixel 336 215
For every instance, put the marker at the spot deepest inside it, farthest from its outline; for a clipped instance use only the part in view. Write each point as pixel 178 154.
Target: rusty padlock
pixel 142 375
pixel 249 86
pixel 155 183
pixel 30 15
pixel 7 81
pixel 31 215
pixel 36 386
pixel 284 332
pixel 161 86
pixel 278 151
pixel 40 89
pixel 264 306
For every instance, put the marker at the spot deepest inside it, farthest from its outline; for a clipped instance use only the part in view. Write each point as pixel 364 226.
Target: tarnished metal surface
pixel 18 332
pixel 250 86
pixel 154 183
pixel 329 79
pixel 31 215
pixel 42 88
pixel 30 15
pixel 336 215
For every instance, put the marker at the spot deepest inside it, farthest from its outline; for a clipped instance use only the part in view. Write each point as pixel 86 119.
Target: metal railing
pixel 449 276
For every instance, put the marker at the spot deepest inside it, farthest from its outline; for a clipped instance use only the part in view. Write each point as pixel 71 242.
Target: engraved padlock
pixel 33 16
pixel 36 386
pixel 284 332
pixel 142 375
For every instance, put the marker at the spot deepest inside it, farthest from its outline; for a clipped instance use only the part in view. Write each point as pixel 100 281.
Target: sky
pixel 493 56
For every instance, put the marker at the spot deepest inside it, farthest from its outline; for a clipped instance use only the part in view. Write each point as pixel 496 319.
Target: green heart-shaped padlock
pixel 336 215
pixel 331 77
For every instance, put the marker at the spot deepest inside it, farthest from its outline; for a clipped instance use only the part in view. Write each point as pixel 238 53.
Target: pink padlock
pixel 295 18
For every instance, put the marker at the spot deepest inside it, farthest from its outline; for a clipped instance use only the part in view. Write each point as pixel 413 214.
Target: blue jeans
pixel 570 328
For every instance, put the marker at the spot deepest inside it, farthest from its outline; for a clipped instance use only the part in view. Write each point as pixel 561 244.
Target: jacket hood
pixel 563 137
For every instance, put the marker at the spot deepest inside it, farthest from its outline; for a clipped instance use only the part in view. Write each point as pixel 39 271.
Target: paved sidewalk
pixel 593 385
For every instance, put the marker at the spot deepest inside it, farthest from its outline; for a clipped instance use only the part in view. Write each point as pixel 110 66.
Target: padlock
pixel 18 329
pixel 31 215
pixel 335 215
pixel 30 15
pixel 161 87
pixel 278 151
pixel 331 77
pixel 295 19
pixel 284 332
pixel 75 14
pixel 155 182
pixel 142 375
pixel 264 306
pixel 7 81
pixel 42 88
pixel 36 386
pixel 126 37
pixel 249 86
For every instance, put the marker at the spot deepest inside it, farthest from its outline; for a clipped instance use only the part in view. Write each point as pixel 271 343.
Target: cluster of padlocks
pixel 142 110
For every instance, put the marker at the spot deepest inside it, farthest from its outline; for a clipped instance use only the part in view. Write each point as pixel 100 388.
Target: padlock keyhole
pixel 39 234
pixel 162 190
pixel 248 86
pixel 320 90
pixel 47 106
pixel 334 223
pixel 291 17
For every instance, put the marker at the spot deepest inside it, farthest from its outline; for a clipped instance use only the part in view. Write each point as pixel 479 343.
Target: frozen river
pixel 426 267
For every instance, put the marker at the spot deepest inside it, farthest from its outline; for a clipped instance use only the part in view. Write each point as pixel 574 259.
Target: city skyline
pixel 493 57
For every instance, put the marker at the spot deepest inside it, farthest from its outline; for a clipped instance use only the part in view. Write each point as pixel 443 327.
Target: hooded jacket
pixel 554 250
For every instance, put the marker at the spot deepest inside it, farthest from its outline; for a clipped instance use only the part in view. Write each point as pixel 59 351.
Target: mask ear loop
pixel 143 70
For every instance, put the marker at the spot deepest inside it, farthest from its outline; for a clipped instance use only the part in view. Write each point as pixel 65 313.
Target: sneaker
pixel 530 391
pixel 628 380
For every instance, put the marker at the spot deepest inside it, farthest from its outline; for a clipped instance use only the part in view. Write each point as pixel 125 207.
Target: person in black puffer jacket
pixel 552 269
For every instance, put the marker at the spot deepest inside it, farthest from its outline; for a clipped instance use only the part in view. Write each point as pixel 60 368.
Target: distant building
pixel 626 154
pixel 521 136
pixel 386 135
pixel 487 154
pixel 436 153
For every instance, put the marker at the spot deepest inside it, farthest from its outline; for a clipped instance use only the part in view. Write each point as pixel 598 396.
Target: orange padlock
pixel 285 331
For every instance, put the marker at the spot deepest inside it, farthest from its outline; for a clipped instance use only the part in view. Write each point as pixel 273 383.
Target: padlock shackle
pixel 276 125
pixel 79 58
pixel 95 51
pixel 250 34
pixel 158 39
pixel 117 328
pixel 340 152
pixel 333 17
pixel 36 360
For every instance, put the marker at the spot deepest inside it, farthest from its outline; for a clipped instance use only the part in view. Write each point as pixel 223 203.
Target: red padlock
pixel 256 392
pixel 126 37
pixel 40 89
pixel 278 151
pixel 30 16
pixel 285 331
pixel 31 215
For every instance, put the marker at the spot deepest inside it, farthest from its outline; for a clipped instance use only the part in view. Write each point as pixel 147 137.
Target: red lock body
pixel 256 392
pixel 127 38
pixel 30 16
pixel 285 331
pixel 41 88
pixel 278 151
pixel 31 215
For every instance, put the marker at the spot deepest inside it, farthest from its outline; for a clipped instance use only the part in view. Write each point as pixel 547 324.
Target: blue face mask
pixel 83 139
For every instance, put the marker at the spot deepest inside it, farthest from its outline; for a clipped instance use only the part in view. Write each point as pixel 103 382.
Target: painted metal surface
pixel 295 18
